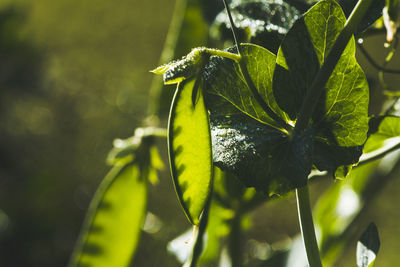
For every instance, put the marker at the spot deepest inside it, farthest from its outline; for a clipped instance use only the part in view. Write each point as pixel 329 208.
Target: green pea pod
pixel 189 147
pixel 113 225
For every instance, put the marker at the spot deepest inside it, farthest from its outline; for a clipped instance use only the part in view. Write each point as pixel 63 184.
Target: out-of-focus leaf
pixel 189 145
pixel 384 132
pixel 123 150
pixel 224 78
pixel 156 163
pixel 262 22
pixel 368 246
pixel 112 228
pixel 337 208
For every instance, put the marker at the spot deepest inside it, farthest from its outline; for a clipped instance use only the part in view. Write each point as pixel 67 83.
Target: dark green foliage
pixel 259 155
pixel 262 22
pixel 340 118
pixel 339 125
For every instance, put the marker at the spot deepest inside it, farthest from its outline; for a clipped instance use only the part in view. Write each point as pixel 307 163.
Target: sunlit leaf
pixel 225 79
pixel 189 145
pixel 112 228
pixel 340 119
pixel 341 115
pixel 368 246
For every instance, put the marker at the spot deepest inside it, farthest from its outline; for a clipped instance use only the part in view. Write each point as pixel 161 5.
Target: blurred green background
pixel 74 75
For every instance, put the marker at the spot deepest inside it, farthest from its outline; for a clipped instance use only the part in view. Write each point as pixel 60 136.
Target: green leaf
pixel 340 117
pixel 225 79
pixel 189 145
pixel 385 132
pixel 368 246
pixel 113 225
pixel 335 159
pixel 260 156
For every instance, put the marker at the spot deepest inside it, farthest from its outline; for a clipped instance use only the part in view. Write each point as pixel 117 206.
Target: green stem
pixel 235 242
pixel 225 54
pixel 374 63
pixel 167 54
pixel 233 27
pixel 198 245
pixel 329 65
pixel 151 132
pixel 307 227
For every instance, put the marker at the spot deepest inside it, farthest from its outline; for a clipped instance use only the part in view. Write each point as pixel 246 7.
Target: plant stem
pixel 235 242
pixel 307 227
pixel 329 65
pixel 233 27
pixel 151 132
pixel 167 54
pixel 225 54
pixel 198 245
pixel 373 62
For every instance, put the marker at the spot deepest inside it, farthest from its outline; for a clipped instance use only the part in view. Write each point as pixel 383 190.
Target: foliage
pixel 258 116
pixel 281 111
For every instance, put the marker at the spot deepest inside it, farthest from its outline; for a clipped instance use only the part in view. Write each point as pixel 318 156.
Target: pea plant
pixel 253 123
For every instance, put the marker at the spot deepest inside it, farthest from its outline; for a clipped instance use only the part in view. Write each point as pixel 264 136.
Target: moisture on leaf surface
pixel 189 145
pixel 262 22
pixel 260 156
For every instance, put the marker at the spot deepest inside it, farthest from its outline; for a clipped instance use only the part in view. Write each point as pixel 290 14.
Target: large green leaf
pixel 341 114
pixel 115 217
pixel 189 145
pixel 224 78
